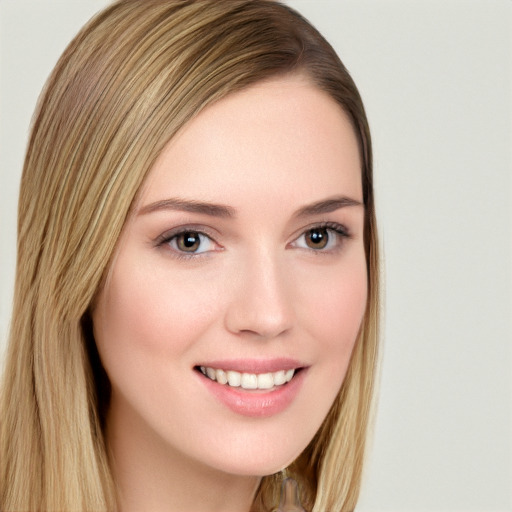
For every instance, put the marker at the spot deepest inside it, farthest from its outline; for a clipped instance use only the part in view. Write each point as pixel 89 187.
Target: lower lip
pixel 256 404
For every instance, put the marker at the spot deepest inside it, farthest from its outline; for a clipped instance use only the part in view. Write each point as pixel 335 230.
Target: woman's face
pixel 243 261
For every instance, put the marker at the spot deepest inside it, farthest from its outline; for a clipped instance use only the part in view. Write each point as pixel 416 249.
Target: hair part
pixel 127 83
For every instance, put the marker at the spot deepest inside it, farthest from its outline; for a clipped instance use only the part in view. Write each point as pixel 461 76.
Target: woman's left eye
pixel 321 238
pixel 191 242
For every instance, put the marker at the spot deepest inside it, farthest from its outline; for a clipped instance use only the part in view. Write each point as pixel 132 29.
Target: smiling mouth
pixel 249 381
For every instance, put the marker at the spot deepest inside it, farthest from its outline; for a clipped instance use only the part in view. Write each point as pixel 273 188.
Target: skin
pixel 256 288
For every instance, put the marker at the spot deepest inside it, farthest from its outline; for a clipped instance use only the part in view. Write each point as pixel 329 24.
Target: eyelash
pixel 339 230
pixel 169 236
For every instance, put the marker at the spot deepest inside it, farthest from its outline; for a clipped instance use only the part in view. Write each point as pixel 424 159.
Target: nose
pixel 261 304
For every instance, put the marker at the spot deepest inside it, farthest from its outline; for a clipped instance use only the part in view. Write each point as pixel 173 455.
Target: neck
pixel 152 475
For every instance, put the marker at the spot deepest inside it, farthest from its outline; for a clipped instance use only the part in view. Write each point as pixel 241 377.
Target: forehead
pixel 283 134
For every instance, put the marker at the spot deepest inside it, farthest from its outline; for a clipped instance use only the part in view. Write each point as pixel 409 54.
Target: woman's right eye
pixel 190 243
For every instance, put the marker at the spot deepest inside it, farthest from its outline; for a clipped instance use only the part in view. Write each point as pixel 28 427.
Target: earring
pixel 290 501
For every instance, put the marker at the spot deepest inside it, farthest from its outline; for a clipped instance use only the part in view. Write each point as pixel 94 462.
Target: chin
pixel 256 468
pixel 258 457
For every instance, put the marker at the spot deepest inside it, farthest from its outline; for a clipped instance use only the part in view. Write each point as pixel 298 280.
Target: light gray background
pixel 435 76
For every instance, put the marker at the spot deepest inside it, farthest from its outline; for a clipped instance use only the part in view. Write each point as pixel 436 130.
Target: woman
pixel 196 302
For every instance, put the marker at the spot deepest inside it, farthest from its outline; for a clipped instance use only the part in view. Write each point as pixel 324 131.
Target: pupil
pixel 189 241
pixel 318 238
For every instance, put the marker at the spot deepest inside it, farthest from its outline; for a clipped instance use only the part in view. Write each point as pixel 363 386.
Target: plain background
pixel 436 79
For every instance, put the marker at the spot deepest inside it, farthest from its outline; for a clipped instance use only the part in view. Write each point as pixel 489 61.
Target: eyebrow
pixel 186 205
pixel 224 211
pixel 327 206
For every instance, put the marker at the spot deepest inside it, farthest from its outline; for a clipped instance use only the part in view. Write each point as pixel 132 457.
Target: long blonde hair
pixel 132 77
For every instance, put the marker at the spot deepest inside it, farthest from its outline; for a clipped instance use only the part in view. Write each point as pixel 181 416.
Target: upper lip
pixel 254 365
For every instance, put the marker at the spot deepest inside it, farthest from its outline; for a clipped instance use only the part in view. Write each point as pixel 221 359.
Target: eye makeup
pixel 193 241
pixel 188 241
pixel 322 238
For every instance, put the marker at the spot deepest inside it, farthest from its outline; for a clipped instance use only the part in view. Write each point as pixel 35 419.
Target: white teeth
pixel 234 379
pixel 221 376
pixel 265 381
pixel 279 378
pixel 248 380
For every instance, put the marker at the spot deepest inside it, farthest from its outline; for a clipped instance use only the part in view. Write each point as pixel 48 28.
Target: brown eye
pixel 188 241
pixel 317 238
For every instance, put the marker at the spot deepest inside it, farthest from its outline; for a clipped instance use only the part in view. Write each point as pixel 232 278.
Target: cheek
pixel 142 316
pixel 334 308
